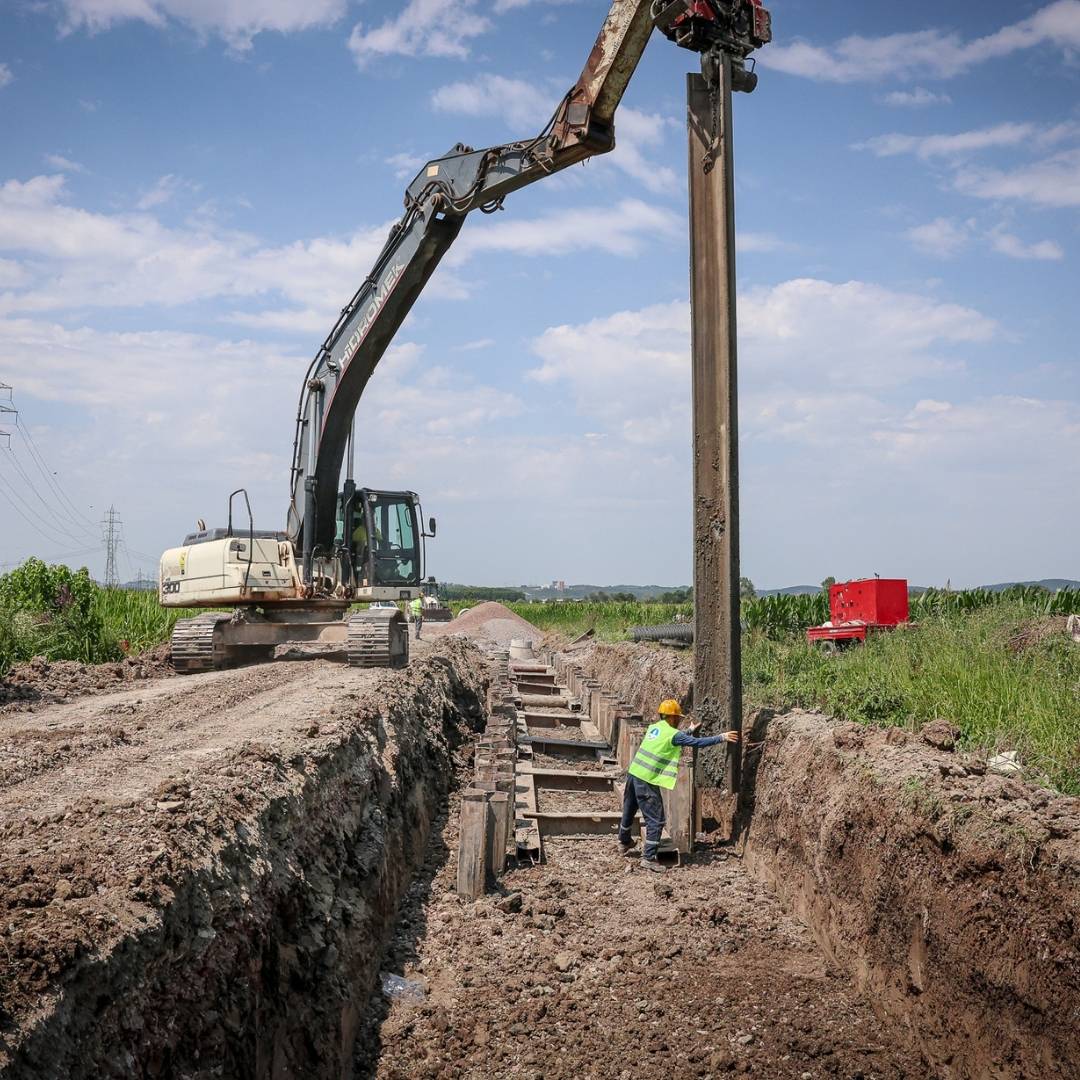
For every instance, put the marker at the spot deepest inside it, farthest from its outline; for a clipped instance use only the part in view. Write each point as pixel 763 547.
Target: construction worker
pixel 416 608
pixel 655 767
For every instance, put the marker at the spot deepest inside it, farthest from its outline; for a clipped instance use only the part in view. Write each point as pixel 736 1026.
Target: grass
pixel 137 618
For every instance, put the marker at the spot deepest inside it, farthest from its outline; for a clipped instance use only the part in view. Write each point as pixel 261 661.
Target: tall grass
pixel 135 621
pixel 959 667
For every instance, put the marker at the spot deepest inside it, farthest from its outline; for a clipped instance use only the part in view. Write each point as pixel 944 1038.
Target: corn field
pixel 782 615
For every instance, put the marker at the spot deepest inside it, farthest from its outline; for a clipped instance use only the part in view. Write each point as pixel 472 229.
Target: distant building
pixel 559 586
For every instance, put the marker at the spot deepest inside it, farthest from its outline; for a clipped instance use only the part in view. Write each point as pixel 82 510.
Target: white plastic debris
pixel 1006 764
pixel 399 989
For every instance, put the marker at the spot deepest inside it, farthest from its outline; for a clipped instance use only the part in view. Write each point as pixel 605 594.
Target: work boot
pixel 628 848
pixel 651 864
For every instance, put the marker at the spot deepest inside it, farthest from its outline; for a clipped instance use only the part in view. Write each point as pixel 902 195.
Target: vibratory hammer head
pixel 710 27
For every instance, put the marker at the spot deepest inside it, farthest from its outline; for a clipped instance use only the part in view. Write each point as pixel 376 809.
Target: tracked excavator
pixel 344 544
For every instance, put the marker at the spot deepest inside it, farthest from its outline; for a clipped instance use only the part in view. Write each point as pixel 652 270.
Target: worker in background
pixel 416 609
pixel 656 767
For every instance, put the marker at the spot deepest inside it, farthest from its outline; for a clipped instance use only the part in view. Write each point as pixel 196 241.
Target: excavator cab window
pixel 386 540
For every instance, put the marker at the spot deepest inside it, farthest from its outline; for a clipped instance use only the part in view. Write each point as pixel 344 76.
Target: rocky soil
pixel 197 875
pixel 950 894
pixel 591 967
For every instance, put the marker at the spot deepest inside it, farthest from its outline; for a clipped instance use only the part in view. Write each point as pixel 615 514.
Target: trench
pixel 254 957
pixel 886 910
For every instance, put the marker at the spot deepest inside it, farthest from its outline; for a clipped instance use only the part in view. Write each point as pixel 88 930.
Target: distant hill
pixel 1052 584
pixel 649 592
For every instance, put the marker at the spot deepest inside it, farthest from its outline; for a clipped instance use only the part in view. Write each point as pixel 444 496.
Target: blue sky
pixel 190 191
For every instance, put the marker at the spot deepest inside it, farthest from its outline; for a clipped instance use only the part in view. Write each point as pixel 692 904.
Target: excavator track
pixel 378 639
pixel 195 645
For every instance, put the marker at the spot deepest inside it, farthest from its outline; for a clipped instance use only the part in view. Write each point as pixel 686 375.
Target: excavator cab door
pixel 386 541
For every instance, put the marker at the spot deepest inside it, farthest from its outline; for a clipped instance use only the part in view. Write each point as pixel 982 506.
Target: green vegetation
pixel 976 658
pixel 61 614
pixel 1004 688
pixel 972 659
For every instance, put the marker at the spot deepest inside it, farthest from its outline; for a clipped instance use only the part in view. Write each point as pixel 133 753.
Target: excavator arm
pixel 437 202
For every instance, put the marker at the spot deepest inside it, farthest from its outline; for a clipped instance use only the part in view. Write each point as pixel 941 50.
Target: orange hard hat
pixel 670 707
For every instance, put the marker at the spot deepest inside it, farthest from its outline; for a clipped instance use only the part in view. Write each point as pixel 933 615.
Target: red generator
pixel 857 607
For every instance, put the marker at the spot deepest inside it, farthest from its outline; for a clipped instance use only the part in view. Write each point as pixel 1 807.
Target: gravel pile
pixel 486 622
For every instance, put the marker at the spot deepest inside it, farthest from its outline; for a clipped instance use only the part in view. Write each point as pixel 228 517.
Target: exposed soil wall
pixel 952 896
pixel 233 924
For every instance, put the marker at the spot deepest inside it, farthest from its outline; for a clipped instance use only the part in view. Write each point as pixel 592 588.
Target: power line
pixel 67 507
pixel 34 520
pixel 50 477
pixel 6 407
pixel 63 519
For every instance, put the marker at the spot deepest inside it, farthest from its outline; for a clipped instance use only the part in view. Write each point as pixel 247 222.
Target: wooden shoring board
pixel 572 779
pixel 577 825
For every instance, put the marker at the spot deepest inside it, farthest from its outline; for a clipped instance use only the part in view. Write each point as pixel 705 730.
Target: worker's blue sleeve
pixel 682 739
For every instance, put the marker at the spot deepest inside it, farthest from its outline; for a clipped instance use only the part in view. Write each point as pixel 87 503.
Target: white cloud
pixel 163 191
pixel 759 243
pixel 6 75
pixel 11 274
pixel 812 353
pixel 621 229
pixel 236 21
pixel 1052 182
pixel 918 98
pixel 80 260
pixel 405 166
pixel 935 53
pixel 1032 440
pixel 63 164
pixel 421 28
pixel 942 238
pixel 521 104
pixel 1007 244
pixel 964 142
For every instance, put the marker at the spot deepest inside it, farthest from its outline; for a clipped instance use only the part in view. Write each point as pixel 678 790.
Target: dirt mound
pixel 48 682
pixel 486 622
pixel 1034 632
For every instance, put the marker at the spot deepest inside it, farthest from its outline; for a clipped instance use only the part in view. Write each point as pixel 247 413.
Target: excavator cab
pixel 386 544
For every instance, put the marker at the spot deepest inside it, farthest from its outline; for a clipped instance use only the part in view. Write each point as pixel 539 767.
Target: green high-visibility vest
pixel 657 760
pixel 415 606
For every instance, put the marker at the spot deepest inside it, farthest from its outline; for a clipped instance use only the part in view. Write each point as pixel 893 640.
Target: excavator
pixel 345 544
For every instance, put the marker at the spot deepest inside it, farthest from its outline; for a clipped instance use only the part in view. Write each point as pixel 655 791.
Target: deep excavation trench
pixel 208 877
pixel 227 920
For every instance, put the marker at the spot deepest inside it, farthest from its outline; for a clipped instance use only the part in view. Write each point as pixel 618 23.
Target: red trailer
pixel 858 607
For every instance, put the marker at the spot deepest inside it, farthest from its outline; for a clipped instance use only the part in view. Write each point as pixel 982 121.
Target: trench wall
pixel 260 962
pixel 950 895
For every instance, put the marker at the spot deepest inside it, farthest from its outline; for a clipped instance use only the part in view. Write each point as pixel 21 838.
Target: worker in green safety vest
pixel 416 610
pixel 656 767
